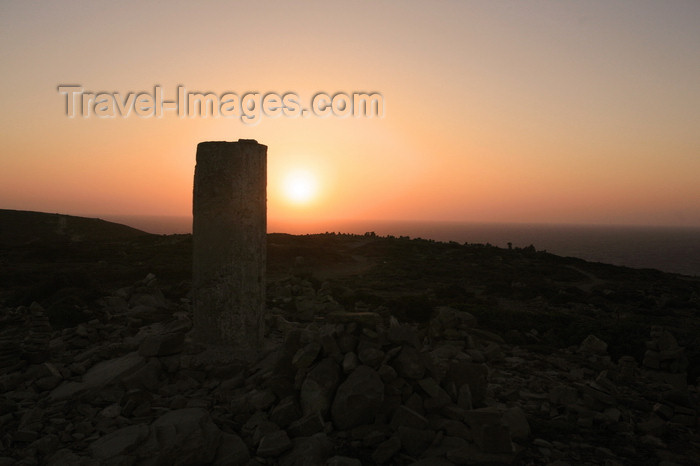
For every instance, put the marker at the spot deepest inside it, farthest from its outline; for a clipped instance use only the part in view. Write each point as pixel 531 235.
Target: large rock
pixel 306 355
pixel 405 416
pixel 386 450
pixel 308 450
pixel 366 319
pixel 400 334
pixel 306 426
pixel 410 363
pixel 232 451
pixel 164 344
pixel 319 386
pixel 120 442
pixel 415 441
pixel 448 319
pixel 593 345
pixel 493 438
pixel 286 412
pixel 274 444
pixel 517 422
pixel 437 396
pixel 474 375
pixel 184 436
pixel 100 375
pixel 358 399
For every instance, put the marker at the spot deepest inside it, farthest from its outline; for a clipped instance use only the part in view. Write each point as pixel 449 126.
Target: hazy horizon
pixel 671 249
pixel 161 224
pixel 505 111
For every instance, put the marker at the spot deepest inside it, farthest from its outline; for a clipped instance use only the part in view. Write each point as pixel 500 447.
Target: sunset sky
pixel 494 111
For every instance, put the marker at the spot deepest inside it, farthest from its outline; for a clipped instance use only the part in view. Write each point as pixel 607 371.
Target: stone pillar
pixel 229 233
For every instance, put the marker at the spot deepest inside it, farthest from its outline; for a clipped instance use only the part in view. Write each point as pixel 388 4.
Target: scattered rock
pixel 131 388
pixel 593 345
pixel 274 444
pixel 358 398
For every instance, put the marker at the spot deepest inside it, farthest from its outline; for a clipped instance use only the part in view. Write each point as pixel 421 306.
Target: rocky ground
pixel 346 387
pixel 379 351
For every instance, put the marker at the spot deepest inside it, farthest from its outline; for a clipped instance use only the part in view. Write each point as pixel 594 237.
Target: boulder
pixel 358 398
pixel 386 450
pixel 184 436
pixel 307 425
pixel 405 416
pixel 274 444
pixel 100 375
pixel 319 386
pixel 593 345
pixel 163 344
pixel 410 363
pixel 120 442
pixel 308 450
pixel 472 374
pixel 232 451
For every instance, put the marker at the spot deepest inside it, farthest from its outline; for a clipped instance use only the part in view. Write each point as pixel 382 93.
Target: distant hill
pixel 19 227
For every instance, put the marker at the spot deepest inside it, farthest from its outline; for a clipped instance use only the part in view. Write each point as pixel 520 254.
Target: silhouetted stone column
pixel 229 233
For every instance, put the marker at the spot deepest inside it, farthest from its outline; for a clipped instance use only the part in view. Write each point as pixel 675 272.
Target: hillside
pixel 18 227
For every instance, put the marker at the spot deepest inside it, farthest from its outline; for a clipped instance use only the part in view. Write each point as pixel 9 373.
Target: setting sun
pixel 300 187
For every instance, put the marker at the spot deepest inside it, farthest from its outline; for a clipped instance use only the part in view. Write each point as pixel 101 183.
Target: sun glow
pixel 300 187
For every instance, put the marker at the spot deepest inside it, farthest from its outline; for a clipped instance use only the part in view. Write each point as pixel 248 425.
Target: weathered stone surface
pixel 229 244
pixel 184 436
pixel 307 425
pixel 68 390
pixel 65 456
pixel 471 455
pixel 387 373
pixel 400 334
pixel 407 417
pixel 306 355
pixel 464 397
pixel 350 362
pixel 343 461
pixel 517 423
pixel 163 344
pixel 386 450
pixel 358 398
pixel 433 461
pixel 593 345
pixel 456 429
pixel 410 363
pixel 119 442
pixel 286 412
pixel 146 377
pixel 415 441
pixel 474 375
pixel 366 319
pixel 448 319
pixel 319 386
pixel 371 357
pixel 483 416
pixel 347 342
pixel 563 395
pixel 437 397
pixel 274 444
pixel 493 438
pixel 308 450
pixel 232 451
pixel 100 375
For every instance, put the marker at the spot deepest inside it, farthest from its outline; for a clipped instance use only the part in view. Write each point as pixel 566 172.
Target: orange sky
pixel 508 111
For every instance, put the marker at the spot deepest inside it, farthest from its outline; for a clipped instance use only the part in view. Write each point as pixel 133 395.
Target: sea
pixel 670 249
